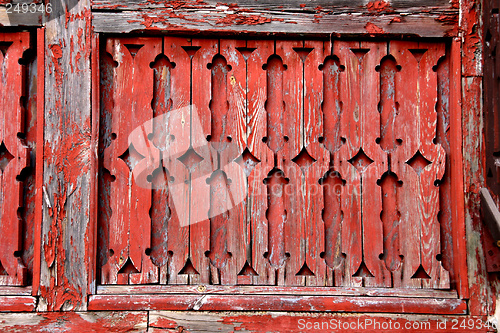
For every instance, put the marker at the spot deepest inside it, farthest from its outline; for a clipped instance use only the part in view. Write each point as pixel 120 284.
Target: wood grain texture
pixel 64 267
pixel 270 303
pixel 14 155
pixel 218 21
pixel 75 321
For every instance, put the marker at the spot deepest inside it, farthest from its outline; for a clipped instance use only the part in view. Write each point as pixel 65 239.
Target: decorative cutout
pixel 418 53
pixel 247 161
pixel 4 46
pixel 303 160
pixel 360 53
pixel 360 161
pixel 131 157
pixel 189 268
pixel 133 49
pixel 418 162
pixel 128 268
pixel 247 270
pixel 420 273
pixel 363 271
pixel 305 271
pixel 190 159
pixel 5 157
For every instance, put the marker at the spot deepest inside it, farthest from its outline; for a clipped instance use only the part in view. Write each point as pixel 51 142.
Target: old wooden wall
pixel 64 161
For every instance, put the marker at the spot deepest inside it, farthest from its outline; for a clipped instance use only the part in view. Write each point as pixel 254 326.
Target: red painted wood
pixel 275 302
pixel 39 158
pixel 17 303
pixel 15 156
pixel 424 164
pixel 362 240
pixel 172 100
pixel 256 129
pixel 130 158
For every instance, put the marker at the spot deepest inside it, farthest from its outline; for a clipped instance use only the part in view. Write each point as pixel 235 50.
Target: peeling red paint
pixel 397 19
pixel 379 6
pixel 373 29
pixel 238 19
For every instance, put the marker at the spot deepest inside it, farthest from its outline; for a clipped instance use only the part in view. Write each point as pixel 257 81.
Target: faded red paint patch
pixel 397 19
pixel 373 29
pixel 239 19
pixel 379 6
pixel 448 19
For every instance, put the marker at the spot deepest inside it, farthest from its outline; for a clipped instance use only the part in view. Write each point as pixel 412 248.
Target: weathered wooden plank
pixel 479 291
pixel 418 25
pixel 172 100
pixel 313 130
pixel 130 159
pixel 259 160
pixel 262 322
pixel 361 162
pixel 424 164
pixel 17 304
pixel 275 290
pixel 490 213
pixel 67 142
pixel 75 321
pixel 270 303
pixel 203 52
pixel 322 6
pixel 457 172
pixel 14 156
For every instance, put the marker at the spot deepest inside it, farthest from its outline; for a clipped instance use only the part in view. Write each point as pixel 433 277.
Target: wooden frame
pixel 217 298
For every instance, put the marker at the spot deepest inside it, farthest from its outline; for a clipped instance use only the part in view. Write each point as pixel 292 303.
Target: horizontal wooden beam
pixel 74 322
pixel 265 290
pixel 17 303
pixel 318 6
pixel 217 20
pixel 277 303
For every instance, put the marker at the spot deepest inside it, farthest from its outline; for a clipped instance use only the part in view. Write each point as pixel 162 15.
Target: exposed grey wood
pixel 66 174
pixel 263 290
pixel 19 19
pixel 214 20
pixel 25 291
pixel 490 214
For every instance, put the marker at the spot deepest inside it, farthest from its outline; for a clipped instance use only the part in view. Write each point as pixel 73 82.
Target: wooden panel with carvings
pixel 275 162
pixel 18 134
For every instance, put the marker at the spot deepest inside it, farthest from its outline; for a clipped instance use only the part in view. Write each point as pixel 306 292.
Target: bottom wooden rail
pixel 217 302
pixel 17 303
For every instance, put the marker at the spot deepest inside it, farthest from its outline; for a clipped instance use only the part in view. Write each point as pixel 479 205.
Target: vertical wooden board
pixel 351 247
pixel 424 163
pixel 204 51
pixel 14 156
pixel 389 183
pixel 313 128
pixel 331 106
pixel 256 124
pixel 66 168
pixel 371 195
pixel 39 157
pixel 443 137
pixel 176 141
pixel 93 231
pixel 130 159
pixel 238 232
pixel 293 131
pixel 362 162
pixel 473 166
